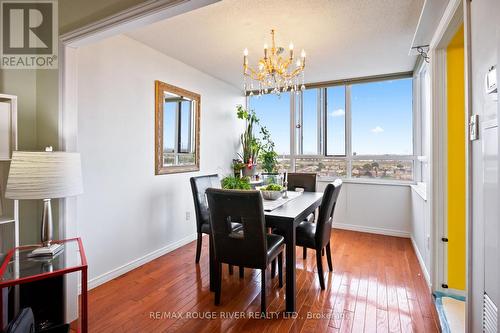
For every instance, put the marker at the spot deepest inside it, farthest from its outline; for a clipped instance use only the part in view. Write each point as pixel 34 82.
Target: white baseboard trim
pixel 422 264
pixel 371 230
pixel 116 272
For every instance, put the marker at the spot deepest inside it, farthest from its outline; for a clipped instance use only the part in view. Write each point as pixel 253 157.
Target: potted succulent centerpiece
pixel 272 191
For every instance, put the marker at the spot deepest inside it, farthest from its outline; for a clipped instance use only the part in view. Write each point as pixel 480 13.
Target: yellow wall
pixel 456 162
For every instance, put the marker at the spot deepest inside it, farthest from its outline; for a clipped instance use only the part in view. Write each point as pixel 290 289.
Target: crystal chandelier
pixel 276 72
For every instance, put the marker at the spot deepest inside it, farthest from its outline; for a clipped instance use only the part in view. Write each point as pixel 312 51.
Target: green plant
pixel 250 143
pixel 237 165
pixel 267 157
pixel 272 187
pixel 236 183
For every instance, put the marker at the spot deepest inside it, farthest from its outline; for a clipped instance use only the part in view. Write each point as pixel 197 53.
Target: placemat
pixel 270 205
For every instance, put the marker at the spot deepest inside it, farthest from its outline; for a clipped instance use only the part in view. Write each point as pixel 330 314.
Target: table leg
pixel 84 302
pixel 290 268
pixel 211 263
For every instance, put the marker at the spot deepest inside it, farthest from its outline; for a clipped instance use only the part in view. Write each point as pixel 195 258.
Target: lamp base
pixel 46 251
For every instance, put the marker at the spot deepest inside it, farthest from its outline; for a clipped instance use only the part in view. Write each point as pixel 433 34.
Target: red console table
pixel 17 268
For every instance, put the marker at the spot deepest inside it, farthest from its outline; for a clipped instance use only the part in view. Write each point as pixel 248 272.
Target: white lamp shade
pixel 44 175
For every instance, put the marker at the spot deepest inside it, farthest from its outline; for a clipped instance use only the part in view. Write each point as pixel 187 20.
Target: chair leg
pixel 322 252
pixel 280 269
pixel 273 268
pixel 242 272
pixel 304 252
pixel 198 248
pixel 263 305
pixel 319 264
pixel 230 269
pixel 218 283
pixel 329 257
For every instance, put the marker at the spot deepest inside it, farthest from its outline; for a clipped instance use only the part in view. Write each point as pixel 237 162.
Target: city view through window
pixel 380 130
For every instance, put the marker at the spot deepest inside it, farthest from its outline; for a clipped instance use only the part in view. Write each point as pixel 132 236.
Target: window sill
pixel 368 182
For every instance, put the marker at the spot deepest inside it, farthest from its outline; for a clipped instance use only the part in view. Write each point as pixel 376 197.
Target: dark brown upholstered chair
pixel 199 185
pixel 307 181
pixel 249 246
pixel 316 236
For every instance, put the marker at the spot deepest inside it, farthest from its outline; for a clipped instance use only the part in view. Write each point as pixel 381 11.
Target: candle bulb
pixel 291 50
pixel 245 52
pixel 303 54
pixel 265 51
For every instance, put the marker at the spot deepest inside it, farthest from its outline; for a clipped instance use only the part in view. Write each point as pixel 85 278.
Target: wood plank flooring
pixel 376 286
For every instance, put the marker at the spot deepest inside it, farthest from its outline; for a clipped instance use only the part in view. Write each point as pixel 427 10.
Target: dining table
pixel 285 217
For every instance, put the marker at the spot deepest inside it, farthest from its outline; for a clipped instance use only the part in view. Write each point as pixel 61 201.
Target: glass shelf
pixel 18 267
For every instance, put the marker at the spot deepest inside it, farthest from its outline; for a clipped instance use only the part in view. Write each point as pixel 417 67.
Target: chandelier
pixel 276 72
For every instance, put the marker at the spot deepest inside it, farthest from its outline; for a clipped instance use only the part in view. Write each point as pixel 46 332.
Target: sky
pixel 381 118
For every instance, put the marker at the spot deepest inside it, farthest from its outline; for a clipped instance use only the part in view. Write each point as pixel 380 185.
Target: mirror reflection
pixel 177 117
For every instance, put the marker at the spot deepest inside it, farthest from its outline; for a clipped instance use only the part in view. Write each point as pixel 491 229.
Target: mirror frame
pixel 160 89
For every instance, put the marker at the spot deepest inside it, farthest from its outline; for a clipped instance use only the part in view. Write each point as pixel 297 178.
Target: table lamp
pixel 44 175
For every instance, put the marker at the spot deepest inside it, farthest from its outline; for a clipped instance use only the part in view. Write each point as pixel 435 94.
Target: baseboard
pixel 371 230
pixel 114 273
pixel 422 263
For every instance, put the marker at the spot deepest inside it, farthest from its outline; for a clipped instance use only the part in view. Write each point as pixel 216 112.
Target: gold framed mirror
pixel 177 129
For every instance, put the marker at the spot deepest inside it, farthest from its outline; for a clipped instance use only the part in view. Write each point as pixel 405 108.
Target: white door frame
pixel 451 20
pixel 132 18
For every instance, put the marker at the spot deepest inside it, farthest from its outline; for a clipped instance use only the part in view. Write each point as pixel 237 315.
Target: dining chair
pixel 306 181
pixel 199 185
pixel 250 246
pixel 316 236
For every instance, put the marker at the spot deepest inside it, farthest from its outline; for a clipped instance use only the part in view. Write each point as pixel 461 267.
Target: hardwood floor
pixel 376 286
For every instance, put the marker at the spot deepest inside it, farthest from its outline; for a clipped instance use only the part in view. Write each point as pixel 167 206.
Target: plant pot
pixel 271 195
pixel 250 172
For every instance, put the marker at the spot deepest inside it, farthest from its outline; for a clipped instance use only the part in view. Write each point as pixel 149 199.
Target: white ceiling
pixel 343 38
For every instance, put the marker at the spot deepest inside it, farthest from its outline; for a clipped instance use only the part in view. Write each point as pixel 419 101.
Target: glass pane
pixel 382 118
pixel 169 121
pixel 322 166
pixel 274 113
pixel 284 164
pixel 383 169
pixel 335 120
pixel 185 126
pixel 310 122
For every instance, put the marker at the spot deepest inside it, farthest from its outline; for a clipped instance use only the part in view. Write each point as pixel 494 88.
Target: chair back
pixel 326 210
pixel 307 181
pixel 248 246
pixel 199 186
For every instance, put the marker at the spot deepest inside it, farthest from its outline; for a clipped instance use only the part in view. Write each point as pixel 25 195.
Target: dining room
pixel 234 166
pixel 233 198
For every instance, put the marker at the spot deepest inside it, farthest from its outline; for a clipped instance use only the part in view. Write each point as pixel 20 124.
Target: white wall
pixel 421 228
pixel 375 208
pixel 485 32
pixel 127 215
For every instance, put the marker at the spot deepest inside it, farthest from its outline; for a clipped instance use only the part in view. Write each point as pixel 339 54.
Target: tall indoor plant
pixel 250 143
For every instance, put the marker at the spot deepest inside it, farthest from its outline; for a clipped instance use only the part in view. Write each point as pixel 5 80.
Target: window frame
pixel 296 111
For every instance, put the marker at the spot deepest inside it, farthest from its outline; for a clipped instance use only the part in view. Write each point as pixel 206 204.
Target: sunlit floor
pixel 376 286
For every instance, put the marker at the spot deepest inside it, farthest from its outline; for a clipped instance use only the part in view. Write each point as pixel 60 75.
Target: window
pixel 274 113
pixel 354 130
pixel 382 115
pixel 309 122
pixel 335 121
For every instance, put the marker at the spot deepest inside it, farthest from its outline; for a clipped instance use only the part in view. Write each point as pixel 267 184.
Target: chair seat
pixel 205 227
pixel 310 218
pixel 274 245
pixel 306 232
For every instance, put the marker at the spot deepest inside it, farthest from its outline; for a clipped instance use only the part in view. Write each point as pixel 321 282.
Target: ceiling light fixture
pixel 275 72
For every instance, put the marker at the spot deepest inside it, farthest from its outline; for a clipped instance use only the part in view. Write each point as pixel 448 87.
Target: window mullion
pixel 348 129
